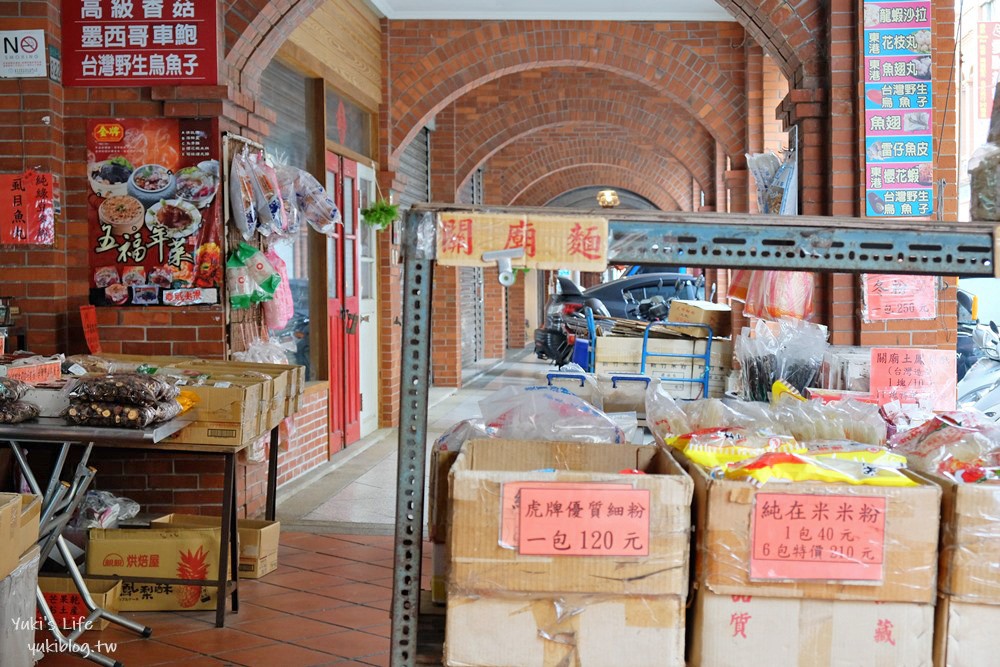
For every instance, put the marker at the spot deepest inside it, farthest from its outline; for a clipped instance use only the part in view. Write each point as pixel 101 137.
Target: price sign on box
pixel 892 297
pixel 510 517
pixel 590 520
pixel 910 374
pixel 817 537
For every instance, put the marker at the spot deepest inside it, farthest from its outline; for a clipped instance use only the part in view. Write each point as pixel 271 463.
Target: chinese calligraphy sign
pixel 590 520
pixel 821 537
pixel 914 375
pixel 893 297
pixel 140 42
pixel 549 242
pixel 27 212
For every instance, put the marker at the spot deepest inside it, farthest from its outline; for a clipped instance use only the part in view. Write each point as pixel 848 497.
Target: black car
pixel 645 296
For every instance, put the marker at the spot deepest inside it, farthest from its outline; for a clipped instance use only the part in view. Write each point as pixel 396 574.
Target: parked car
pixel 628 298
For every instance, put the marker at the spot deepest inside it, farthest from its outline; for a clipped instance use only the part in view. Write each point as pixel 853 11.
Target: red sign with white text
pixel 140 42
pixel 585 521
pixel 27 214
pixel 821 537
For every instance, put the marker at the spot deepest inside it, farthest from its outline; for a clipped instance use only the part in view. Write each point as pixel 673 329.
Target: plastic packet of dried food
pixel 12 390
pixel 124 388
pixel 267 197
pixel 98 413
pixel 17 412
pixel 789 467
pixel 241 196
pixel 239 284
pixel 259 268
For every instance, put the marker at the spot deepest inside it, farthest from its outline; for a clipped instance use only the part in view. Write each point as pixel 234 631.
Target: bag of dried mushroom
pixel 12 409
pixel 127 400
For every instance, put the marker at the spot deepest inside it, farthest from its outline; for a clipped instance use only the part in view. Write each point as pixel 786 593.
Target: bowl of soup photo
pixel 151 183
pixel 109 178
pixel 175 218
pixel 124 214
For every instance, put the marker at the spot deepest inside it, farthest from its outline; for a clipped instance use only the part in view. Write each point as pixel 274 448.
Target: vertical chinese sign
pixel 153 215
pixel 988 52
pixel 140 42
pixel 899 175
pixel 27 213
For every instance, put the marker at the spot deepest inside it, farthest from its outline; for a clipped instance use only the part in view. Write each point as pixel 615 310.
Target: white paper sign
pixel 22 54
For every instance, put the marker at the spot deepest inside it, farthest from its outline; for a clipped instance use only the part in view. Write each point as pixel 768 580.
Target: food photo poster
pixel 153 215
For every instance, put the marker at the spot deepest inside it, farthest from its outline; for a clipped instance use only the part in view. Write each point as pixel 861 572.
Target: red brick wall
pixel 494 315
pixel 308 445
pixel 446 320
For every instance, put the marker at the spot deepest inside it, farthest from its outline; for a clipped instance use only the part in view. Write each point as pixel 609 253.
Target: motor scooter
pixel 980 388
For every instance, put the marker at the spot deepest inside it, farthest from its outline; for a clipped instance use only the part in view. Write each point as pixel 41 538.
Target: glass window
pixel 348 124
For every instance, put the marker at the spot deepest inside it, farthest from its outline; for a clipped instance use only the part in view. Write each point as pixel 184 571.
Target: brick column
pixel 494 315
pixel 444 184
pixel 446 320
pixel 517 330
pixel 390 316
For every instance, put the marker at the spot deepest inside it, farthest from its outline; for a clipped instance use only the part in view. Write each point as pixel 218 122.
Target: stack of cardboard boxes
pixel 615 355
pixel 19 517
pixel 577 561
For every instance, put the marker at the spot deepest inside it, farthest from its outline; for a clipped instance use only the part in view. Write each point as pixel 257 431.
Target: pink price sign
pixel 817 537
pixel 911 374
pixel 586 521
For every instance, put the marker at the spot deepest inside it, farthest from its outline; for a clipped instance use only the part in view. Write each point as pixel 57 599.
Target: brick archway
pixel 565 179
pixel 792 34
pixel 510 113
pixel 445 63
pixel 551 149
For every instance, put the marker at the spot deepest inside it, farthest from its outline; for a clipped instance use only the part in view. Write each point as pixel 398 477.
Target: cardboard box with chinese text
pixel 167 552
pixel 724 511
pixel 285 382
pixel 487 532
pixel 67 605
pixel 556 630
pixel 257 538
pixel 963 633
pixel 741 630
pixel 228 413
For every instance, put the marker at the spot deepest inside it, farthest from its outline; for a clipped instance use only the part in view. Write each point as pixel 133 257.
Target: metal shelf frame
pixel 714 240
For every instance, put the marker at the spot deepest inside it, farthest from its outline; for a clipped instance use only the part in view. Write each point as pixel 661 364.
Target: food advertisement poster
pixel 153 215
pixel 899 155
pixel 140 42
pixel 896 297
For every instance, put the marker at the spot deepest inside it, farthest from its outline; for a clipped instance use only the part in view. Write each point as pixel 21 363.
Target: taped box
pixel 557 517
pixel 228 412
pixel 67 605
pixel 167 552
pixel 816 540
pixel 970 541
pixel 26 534
pixel 257 540
pixel 964 633
pixel 10 532
pixel 741 630
pixel 552 631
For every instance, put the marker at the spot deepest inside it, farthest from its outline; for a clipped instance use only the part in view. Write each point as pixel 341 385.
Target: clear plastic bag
pixel 546 413
pixel 17 412
pixel 801 348
pixel 454 438
pixel 241 196
pixel 263 352
pixel 962 446
pixel 116 415
pixel 102 509
pixel 12 390
pixel 124 389
pixel 664 417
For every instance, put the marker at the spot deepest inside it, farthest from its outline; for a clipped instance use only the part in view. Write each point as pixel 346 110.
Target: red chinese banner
pixel 893 297
pixel 27 214
pixel 988 42
pixel 587 521
pixel 819 537
pixel 914 375
pixel 88 317
pixel 140 42
pixel 154 217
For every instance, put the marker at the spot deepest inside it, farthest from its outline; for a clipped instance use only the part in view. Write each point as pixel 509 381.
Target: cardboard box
pixel 11 541
pixel 257 540
pixel 551 631
pixel 284 382
pixel 30 513
pixel 68 606
pixel 439 573
pixel 17 609
pixel 440 507
pixel 970 541
pixel 133 554
pixel 227 414
pixel 736 631
pixel 484 494
pixel 963 633
pixel 615 355
pixel 723 511
pixel 718 316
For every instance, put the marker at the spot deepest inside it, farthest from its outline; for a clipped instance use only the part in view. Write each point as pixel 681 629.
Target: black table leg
pixel 271 502
pixel 228 540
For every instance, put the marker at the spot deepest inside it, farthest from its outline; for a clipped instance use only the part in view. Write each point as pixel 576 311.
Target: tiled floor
pixel 328 603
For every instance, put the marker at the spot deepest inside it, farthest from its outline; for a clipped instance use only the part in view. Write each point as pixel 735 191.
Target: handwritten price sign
pixel 802 536
pixel 892 297
pixel 585 521
pixel 911 374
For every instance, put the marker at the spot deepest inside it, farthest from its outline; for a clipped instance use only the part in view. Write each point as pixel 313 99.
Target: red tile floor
pixel 326 604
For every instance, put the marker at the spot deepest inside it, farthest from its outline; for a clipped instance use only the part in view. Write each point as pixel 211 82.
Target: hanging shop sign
pixel 153 215
pixel 988 42
pixel 911 375
pixel 27 212
pixel 820 537
pixel 892 297
pixel 548 241
pixel 899 156
pixel 140 42
pixel 22 54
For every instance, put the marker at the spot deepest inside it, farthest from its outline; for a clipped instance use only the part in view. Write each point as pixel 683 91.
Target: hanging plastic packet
pixel 239 285
pixel 267 196
pixel 280 309
pixel 286 186
pixel 241 197
pixel 259 268
pixel 316 206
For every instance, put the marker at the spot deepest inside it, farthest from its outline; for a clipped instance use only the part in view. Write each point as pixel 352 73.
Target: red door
pixel 342 306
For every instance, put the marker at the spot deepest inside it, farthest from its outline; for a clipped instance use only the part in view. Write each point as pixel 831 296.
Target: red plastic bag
pixel 772 295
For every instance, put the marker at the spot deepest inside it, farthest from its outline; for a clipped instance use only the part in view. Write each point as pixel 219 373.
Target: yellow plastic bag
pixel 788 467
